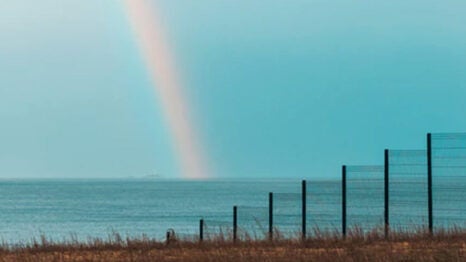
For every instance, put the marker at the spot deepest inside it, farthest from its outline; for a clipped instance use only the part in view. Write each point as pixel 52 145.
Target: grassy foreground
pixel 443 246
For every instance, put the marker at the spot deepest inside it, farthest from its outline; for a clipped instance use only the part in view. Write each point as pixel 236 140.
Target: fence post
pixel 235 223
pixel 201 230
pixel 429 182
pixel 304 194
pixel 270 215
pixel 386 191
pixel 343 202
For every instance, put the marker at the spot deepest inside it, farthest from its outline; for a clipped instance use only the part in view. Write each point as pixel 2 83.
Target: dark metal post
pixel 429 181
pixel 304 194
pixel 343 202
pixel 201 230
pixel 235 223
pixel 170 235
pixel 386 191
pixel 271 215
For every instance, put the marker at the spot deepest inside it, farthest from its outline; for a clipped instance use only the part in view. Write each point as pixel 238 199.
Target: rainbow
pixel 166 79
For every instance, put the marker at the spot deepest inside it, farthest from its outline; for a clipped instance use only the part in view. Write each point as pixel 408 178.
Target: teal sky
pixel 279 88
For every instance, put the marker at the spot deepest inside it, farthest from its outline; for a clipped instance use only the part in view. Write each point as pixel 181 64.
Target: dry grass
pixel 402 246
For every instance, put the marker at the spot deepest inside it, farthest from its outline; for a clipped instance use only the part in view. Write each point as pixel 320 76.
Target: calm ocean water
pixel 96 208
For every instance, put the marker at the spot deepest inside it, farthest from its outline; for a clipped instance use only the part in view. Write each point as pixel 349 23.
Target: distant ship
pixel 153 176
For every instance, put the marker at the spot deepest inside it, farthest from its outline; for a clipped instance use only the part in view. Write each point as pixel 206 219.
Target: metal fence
pixel 413 190
pixel 287 213
pixel 407 172
pixel 448 171
pixel 253 222
pixel 364 198
pixel 323 208
pixel 217 228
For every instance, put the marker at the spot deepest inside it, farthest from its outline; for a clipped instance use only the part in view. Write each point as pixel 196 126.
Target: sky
pixel 276 89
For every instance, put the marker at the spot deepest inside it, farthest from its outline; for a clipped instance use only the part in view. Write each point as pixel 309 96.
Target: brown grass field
pixel 420 246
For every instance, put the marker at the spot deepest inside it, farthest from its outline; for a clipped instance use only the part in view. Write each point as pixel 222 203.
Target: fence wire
pixel 323 207
pixel 183 230
pixel 365 197
pixel 218 227
pixel 449 180
pixel 189 237
pixel 287 213
pixel 407 189
pixel 253 222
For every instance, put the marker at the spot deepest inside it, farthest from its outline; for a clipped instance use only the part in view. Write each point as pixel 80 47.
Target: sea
pixel 64 210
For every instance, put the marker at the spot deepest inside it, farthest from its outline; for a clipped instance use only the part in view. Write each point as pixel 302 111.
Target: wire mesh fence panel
pixel 407 189
pixel 191 237
pixel 184 234
pixel 218 228
pixel 449 180
pixel 287 213
pixel 253 222
pixel 323 207
pixel 365 197
pixel 186 229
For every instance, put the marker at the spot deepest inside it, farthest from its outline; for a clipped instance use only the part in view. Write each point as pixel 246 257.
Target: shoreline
pixel 421 246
